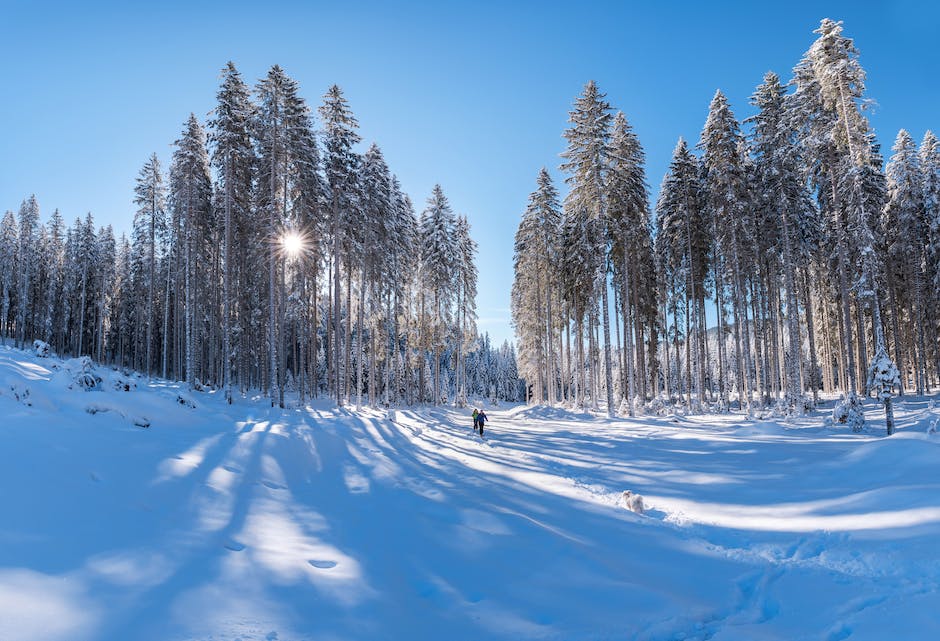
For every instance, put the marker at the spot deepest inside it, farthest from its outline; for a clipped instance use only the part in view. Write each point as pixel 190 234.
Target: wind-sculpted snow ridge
pixel 244 522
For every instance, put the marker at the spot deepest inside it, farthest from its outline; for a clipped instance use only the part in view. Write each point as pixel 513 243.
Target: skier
pixel 481 417
pixel 476 413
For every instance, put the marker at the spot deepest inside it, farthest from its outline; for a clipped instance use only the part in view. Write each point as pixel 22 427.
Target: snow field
pixel 243 522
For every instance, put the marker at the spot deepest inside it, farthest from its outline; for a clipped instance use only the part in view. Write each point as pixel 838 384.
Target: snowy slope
pixel 243 522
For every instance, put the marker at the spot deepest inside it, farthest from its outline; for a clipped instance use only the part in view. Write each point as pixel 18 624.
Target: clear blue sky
pixel 472 95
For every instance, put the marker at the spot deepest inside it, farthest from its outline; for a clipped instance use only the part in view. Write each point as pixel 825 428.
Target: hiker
pixel 476 413
pixel 481 417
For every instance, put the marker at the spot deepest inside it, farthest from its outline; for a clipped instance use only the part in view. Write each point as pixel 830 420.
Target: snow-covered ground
pixel 243 522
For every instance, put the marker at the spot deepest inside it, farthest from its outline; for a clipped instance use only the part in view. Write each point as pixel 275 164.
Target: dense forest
pixel 271 256
pixel 781 260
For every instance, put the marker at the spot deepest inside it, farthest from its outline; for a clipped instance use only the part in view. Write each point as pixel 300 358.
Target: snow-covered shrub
pixel 185 401
pixel 121 383
pixel 934 426
pixel 656 407
pixel 850 411
pixel 782 408
pixel 140 421
pixel 41 348
pixel 83 373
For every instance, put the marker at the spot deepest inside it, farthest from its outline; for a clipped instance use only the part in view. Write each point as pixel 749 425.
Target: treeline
pixel 271 256
pixel 808 256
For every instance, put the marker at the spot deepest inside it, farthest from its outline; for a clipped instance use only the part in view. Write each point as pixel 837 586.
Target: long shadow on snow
pixel 195 558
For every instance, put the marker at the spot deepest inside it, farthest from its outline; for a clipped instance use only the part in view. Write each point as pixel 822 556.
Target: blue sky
pixel 473 96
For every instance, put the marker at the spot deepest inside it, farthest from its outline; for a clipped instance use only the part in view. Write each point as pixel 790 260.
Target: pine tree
pixel 630 236
pixel 54 254
pixel 466 288
pixel 684 248
pixel 341 168
pixel 26 261
pixel 726 195
pixel 149 224
pixel 587 160
pixel 8 254
pixel 929 156
pixel 190 198
pixel 904 232
pixel 787 206
pixel 233 158
pixel 437 269
pixel 535 294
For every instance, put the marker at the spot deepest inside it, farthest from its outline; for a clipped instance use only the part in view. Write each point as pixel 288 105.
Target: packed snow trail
pixel 246 522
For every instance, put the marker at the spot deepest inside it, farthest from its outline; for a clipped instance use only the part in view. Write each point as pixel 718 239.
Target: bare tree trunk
pixel 608 374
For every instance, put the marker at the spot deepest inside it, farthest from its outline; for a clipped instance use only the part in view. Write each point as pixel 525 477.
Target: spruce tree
pixel 587 161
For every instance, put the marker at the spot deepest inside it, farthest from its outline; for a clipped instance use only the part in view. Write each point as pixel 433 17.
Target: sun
pixel 293 243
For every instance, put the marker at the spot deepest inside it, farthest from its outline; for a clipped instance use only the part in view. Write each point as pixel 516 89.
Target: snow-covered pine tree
pixel 271 133
pixel 376 205
pixel 587 160
pixel 683 247
pixel 103 287
pixel 833 82
pixel 904 233
pixel 787 205
pixel 149 223
pixel 929 156
pixel 27 258
pixel 465 312
pixel 403 260
pixel 190 197
pixel 727 198
pixel 535 295
pixel 54 258
pixel 631 240
pixel 233 158
pixel 8 247
pixel 307 221
pixel 341 168
pixel 438 262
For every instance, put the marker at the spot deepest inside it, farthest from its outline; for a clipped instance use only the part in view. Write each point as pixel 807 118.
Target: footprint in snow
pixel 232 469
pixel 273 486
pixel 234 546
pixel 322 564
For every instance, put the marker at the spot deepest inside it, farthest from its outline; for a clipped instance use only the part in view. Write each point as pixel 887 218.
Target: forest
pixel 271 257
pixel 783 260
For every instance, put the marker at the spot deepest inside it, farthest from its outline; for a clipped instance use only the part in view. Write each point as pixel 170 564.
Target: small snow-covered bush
pixel 782 408
pixel 83 373
pixel 656 407
pixel 850 411
pixel 934 426
pixel 185 401
pixel 122 383
pixel 41 348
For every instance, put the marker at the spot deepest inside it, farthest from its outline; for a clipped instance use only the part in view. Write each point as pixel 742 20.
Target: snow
pixel 251 523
